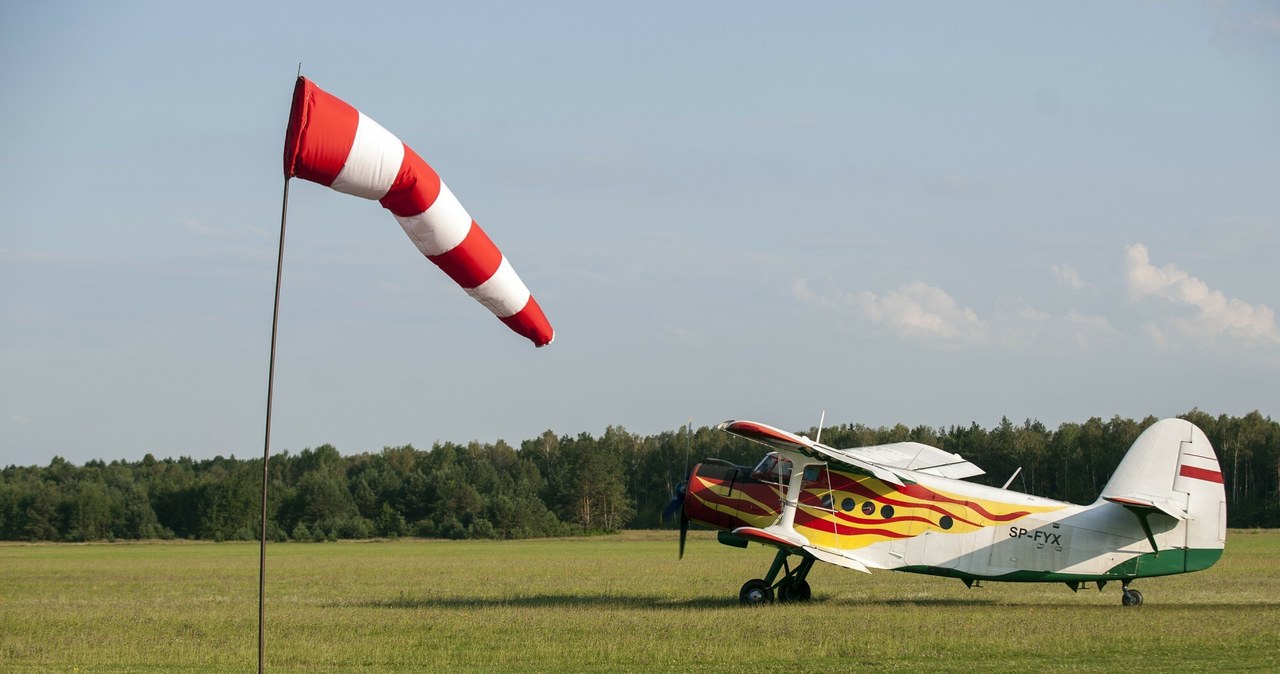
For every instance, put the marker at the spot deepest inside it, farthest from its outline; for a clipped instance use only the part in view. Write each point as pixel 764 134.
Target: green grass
pixel 620 603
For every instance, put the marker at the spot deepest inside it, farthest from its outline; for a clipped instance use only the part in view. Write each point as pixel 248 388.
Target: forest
pixel 552 485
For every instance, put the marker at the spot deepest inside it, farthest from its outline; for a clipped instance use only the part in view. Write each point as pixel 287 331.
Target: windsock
pixel 331 143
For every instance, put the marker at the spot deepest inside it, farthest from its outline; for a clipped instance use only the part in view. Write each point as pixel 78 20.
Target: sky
pixel 918 213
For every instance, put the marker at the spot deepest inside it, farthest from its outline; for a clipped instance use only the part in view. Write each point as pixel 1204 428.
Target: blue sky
pixel 921 213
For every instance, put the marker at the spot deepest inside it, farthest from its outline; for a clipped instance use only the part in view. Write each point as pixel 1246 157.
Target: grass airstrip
pixel 615 603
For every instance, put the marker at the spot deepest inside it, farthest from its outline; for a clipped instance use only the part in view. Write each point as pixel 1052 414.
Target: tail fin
pixel 1172 468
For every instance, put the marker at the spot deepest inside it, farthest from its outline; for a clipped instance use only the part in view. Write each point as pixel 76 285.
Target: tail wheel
pixel 1131 598
pixel 755 592
pixel 793 590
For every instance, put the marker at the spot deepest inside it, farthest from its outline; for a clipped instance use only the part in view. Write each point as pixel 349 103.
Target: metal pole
pixel 266 444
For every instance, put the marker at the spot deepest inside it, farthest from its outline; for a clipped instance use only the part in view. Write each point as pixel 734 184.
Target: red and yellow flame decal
pixel 843 511
pixel 752 503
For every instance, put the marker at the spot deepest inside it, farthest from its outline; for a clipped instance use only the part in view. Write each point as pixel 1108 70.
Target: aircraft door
pixel 911 548
pixel 945 547
pixel 935 543
pixel 817 507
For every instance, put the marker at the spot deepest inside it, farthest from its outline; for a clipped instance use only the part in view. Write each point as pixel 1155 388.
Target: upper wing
pixel 877 460
pixel 767 435
pixel 782 440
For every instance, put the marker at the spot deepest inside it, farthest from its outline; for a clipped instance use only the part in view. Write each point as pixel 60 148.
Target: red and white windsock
pixel 332 143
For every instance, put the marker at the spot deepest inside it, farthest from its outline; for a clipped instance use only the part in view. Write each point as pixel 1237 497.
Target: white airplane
pixel 907 507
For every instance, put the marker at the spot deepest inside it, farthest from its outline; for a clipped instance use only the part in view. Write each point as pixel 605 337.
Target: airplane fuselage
pixel 947 527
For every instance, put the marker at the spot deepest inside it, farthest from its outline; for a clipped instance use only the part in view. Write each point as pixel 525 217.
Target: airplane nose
pixel 677 500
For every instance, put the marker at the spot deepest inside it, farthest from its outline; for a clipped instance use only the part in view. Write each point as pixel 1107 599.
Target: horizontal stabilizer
pixel 1147 503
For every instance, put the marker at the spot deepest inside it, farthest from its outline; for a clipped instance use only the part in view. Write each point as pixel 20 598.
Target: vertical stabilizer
pixel 1172 471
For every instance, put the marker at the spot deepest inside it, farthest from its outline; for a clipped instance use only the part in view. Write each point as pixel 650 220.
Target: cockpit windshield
pixel 768 469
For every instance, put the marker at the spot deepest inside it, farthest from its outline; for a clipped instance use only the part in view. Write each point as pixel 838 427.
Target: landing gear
pixel 792 587
pixel 755 593
pixel 1131 597
pixel 793 590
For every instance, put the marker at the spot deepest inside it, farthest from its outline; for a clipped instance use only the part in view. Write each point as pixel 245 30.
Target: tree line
pixel 552 485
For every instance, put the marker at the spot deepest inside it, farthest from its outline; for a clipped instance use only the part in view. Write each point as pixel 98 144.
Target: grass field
pixel 618 603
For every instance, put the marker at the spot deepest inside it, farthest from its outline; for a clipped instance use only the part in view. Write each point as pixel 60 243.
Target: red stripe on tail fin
pixel 1200 474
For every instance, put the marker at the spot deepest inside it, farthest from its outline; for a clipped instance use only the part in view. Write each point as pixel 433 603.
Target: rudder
pixel 1200 477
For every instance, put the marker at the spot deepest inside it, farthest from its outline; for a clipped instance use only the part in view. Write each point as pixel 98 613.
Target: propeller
pixel 677 503
pixel 684 532
pixel 682 489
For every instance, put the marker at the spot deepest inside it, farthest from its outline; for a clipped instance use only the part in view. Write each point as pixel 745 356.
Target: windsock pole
pixel 266 443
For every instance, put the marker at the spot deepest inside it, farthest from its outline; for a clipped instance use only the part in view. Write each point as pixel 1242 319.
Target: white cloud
pixel 919 310
pixel 1068 276
pixel 916 310
pixel 800 290
pixel 1213 313
pixel 927 314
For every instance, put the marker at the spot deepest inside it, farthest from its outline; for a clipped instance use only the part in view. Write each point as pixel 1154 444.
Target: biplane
pixel 910 507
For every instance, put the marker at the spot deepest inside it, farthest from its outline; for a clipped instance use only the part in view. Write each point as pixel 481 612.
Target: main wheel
pixel 755 592
pixel 1131 598
pixel 793 590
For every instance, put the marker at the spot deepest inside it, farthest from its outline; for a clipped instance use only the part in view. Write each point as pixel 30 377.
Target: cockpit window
pixel 767 469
